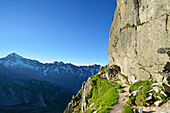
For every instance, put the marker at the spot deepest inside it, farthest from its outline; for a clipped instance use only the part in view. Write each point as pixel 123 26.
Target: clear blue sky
pixel 75 31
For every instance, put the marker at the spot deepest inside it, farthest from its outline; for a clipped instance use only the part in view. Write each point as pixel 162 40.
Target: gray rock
pixel 159 97
pixel 150 94
pixel 122 78
pixel 86 89
pixel 123 99
pixel 162 92
pixel 134 93
pixel 111 72
pixel 158 103
pixel 147 104
pixel 108 72
pixel 140 110
pixel 140 87
pixel 155 84
pixel 149 98
pixel 139 29
pixel 166 87
pixel 69 108
pixel 154 88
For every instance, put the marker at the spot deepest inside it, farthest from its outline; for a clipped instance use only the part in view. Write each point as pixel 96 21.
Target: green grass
pixel 119 86
pixel 140 98
pixel 121 90
pixel 105 98
pixel 128 109
pixel 138 84
pixel 117 80
pixel 142 95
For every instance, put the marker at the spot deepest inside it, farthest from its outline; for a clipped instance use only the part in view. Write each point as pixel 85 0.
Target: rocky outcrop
pixel 86 90
pixel 139 38
pixel 80 101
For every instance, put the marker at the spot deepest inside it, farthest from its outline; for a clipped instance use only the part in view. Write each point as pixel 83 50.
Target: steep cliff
pixel 139 36
pixel 139 53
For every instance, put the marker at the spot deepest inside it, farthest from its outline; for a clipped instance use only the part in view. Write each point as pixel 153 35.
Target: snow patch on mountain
pixel 45 71
pixel 56 70
pixel 53 69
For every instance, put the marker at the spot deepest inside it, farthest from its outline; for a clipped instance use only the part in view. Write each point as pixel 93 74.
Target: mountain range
pixel 26 82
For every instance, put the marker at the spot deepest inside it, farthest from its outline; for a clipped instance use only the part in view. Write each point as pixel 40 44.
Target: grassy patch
pixel 117 80
pixel 142 95
pixel 128 109
pixel 140 98
pixel 105 98
pixel 139 84
pixel 122 91
pixel 119 86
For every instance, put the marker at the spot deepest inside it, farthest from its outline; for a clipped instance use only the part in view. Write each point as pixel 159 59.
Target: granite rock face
pixel 139 38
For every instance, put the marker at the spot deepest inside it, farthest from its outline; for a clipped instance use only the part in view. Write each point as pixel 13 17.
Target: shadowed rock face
pixel 19 95
pixel 139 37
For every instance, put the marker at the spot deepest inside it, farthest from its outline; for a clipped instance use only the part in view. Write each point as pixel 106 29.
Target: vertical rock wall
pixel 139 29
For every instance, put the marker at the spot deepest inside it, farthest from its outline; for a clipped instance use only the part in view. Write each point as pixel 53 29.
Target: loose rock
pixel 158 103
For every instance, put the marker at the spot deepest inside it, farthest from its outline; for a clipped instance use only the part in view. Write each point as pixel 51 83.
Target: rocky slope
pixel 97 94
pixel 109 91
pixel 139 38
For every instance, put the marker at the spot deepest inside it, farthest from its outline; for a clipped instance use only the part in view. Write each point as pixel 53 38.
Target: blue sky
pixel 72 31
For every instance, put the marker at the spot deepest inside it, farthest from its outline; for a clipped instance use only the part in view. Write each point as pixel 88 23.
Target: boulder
pixel 159 97
pixel 134 93
pixel 140 87
pixel 140 110
pixel 154 88
pixel 122 78
pixel 109 72
pixel 158 103
pixel 166 87
pixel 147 104
pixel 162 92
pixel 155 84
pixel 149 98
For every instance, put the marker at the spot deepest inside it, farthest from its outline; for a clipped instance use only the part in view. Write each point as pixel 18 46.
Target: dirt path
pixel 118 108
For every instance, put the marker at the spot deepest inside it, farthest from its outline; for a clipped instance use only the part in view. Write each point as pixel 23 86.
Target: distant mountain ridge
pixel 30 86
pixel 67 75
